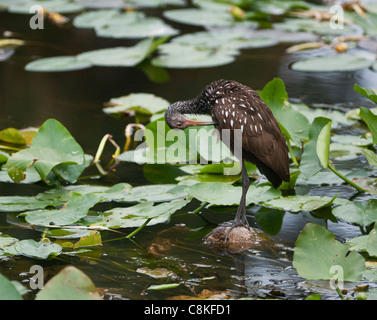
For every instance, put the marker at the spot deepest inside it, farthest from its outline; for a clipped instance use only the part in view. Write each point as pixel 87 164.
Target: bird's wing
pixel 261 135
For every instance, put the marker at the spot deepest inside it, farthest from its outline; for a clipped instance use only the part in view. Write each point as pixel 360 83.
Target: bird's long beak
pixel 191 123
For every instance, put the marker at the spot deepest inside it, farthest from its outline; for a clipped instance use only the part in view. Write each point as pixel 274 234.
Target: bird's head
pixel 176 120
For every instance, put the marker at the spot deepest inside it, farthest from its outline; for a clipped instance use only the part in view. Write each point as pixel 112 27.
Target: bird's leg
pixel 241 219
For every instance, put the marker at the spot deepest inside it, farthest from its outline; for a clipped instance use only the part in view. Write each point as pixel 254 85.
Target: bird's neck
pixel 198 105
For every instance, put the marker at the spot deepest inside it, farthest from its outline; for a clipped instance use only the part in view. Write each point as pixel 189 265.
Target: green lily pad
pixel 366 92
pixel 147 27
pixel 343 62
pixel 157 3
pixel 57 64
pixel 275 7
pixel 112 23
pixel 137 215
pixel 303 202
pixel 145 103
pixel 31 248
pixel 371 121
pixel 92 19
pixel 180 56
pixel 119 56
pixel 317 149
pixel 238 38
pixel 76 207
pixel 13 136
pixel 52 148
pixel 69 284
pixel 295 124
pixel 223 194
pixel 55 197
pixel 154 193
pixel 8 291
pixel 318 255
pixel 362 214
pixel 60 6
pixel 208 18
pixel 315 26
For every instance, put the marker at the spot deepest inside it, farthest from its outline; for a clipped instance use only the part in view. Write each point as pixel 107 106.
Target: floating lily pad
pixel 176 55
pixel 53 147
pixel 147 27
pixel 69 284
pixel 157 3
pixel 137 215
pixel 343 62
pixel 111 23
pixel 140 102
pixel 96 18
pixel 317 253
pixel 238 38
pixel 76 207
pixel 303 202
pixel 208 18
pixel 362 214
pixel 8 290
pixel 60 6
pixel 31 248
pixel 56 64
pixel 227 195
pixel 317 27
pixel 119 56
pixel 275 7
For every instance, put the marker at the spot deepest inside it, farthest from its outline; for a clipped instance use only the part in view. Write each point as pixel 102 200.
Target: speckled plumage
pixel 233 105
pixel 236 108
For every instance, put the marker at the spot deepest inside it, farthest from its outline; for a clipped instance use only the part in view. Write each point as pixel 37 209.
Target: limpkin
pixel 232 106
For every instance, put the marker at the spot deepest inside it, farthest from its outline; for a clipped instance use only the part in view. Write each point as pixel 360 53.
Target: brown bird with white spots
pixel 233 106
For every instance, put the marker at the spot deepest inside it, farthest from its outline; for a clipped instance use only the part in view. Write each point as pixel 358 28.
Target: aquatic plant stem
pixel 102 146
pixel 358 188
pixel 294 159
pixel 138 229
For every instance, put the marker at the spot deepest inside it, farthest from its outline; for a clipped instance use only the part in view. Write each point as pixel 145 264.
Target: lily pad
pixel 317 254
pixel 208 18
pixel 8 290
pixel 371 121
pixel 95 18
pixel 303 202
pixel 180 56
pixel 317 27
pixel 362 214
pixel 137 215
pixel 223 194
pixel 31 248
pixel 157 3
pixel 76 207
pixel 155 193
pixel 118 56
pixel 60 6
pixel 52 148
pixel 343 62
pixel 275 95
pixel 112 23
pixel 69 284
pixel 238 38
pixel 317 149
pixel 57 64
pixel 147 27
pixel 145 103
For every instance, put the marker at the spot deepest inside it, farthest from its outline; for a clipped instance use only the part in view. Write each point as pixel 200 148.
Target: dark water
pixel 76 100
